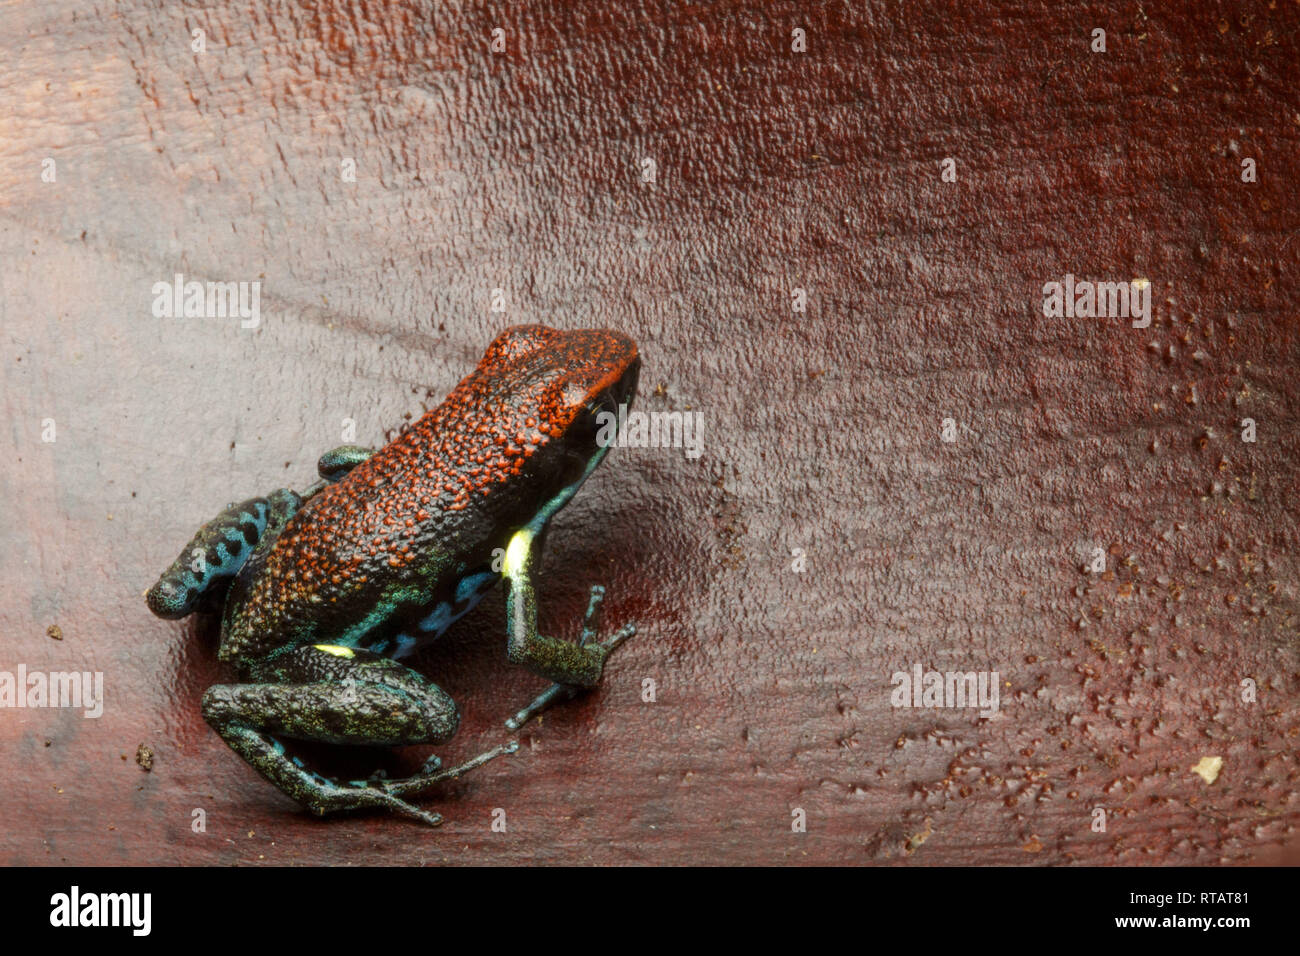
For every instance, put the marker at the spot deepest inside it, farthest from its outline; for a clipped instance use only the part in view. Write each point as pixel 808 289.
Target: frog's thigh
pixel 337 462
pixel 336 695
pixel 575 665
pixel 331 694
pixel 216 553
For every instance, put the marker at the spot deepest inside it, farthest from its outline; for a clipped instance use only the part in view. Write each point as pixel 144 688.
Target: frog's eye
pixel 573 395
pixel 520 340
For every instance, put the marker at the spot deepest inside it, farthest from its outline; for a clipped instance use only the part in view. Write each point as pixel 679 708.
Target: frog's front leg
pixel 335 695
pixel 572 666
pixel 217 551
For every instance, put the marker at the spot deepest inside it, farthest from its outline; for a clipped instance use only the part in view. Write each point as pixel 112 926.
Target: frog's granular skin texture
pixel 525 173
pixel 436 488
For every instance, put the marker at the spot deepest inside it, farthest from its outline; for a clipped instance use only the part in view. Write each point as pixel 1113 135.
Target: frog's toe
pixel 410 810
pixel 626 631
pixel 355 797
pixel 540 703
pixel 432 773
pixel 600 651
pixel 591 622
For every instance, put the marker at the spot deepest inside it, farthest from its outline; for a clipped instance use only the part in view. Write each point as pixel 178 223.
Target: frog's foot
pixel 216 553
pixel 335 799
pixel 575 663
pixel 378 792
pixel 431 774
pixel 562 691
pixel 333 695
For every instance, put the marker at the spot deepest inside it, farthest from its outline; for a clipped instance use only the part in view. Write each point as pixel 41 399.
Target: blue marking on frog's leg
pixel 319 778
pixel 428 628
pixel 437 620
pixel 469 591
pixel 337 462
pixel 402 646
pixel 471 588
pixel 216 553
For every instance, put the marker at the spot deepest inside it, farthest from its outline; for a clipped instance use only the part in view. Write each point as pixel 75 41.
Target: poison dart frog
pixel 323 593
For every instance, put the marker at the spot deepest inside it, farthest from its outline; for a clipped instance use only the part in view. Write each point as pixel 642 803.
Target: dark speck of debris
pixel 55 632
pixel 144 757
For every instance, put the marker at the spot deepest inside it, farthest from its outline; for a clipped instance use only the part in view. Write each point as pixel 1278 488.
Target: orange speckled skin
pixel 372 553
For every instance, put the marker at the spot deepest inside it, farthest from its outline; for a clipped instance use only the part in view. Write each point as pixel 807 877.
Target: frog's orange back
pixel 404 528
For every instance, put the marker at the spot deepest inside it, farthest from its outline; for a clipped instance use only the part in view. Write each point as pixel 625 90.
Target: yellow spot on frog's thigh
pixel 517 552
pixel 335 649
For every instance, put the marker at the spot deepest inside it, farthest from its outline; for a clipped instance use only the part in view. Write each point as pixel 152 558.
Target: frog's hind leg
pixel 215 554
pixel 343 696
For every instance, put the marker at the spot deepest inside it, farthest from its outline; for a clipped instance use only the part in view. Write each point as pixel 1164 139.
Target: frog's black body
pixel 390 549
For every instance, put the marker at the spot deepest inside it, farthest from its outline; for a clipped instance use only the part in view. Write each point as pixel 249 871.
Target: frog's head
pixel 565 388
pixel 568 375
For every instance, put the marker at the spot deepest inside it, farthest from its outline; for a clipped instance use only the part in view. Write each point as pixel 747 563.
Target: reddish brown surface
pixel 775 170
